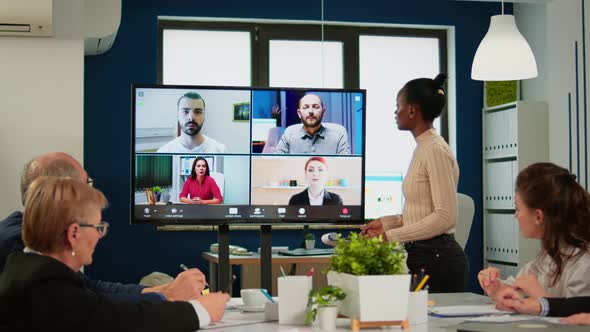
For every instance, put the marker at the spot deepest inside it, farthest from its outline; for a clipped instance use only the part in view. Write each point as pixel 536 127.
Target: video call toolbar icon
pixel 301 211
pixel 281 210
pixel 233 210
pixel 146 211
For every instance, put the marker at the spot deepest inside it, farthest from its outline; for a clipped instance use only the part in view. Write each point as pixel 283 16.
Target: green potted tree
pixel 322 303
pixel 371 273
pixel 309 241
pixel 157 190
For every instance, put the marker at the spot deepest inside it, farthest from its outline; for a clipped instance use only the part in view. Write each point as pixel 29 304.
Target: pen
pixel 182 266
pixel 508 281
pixel 282 271
pixel 422 273
pixel 267 295
pixel 414 282
pixel 230 283
pixel 421 284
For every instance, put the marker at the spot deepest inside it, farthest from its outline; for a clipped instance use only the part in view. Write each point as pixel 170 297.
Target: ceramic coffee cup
pixel 253 298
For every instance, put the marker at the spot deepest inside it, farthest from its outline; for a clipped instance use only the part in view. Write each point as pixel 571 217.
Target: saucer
pixel 251 309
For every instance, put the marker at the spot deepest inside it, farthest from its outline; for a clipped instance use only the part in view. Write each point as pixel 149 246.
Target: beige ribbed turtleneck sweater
pixel 430 189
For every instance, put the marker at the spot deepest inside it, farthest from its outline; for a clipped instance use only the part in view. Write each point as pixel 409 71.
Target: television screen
pixel 217 155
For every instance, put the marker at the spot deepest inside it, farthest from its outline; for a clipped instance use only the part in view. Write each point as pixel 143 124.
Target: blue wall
pixel 129 252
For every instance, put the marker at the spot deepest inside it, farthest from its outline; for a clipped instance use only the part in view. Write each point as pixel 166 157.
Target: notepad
pixel 307 252
pixel 513 318
pixel 237 318
pixel 466 310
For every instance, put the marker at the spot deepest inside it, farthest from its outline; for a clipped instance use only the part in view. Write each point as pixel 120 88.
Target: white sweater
pixel 430 191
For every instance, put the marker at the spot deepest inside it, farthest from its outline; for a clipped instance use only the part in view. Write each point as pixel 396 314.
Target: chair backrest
pixel 466 210
pixel 274 136
pixel 219 179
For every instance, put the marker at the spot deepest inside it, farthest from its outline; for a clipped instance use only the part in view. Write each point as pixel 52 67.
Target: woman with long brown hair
pixel 553 207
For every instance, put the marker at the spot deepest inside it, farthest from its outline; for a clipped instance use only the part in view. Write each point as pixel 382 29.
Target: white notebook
pixel 466 310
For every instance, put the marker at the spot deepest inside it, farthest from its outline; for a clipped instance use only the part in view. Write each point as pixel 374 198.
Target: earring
pixel 537 222
pixel 73 253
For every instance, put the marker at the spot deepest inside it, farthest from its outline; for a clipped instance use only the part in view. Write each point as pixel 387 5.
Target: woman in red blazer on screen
pixel 200 187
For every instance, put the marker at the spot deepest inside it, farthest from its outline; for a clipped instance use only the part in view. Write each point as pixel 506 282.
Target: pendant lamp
pixel 503 54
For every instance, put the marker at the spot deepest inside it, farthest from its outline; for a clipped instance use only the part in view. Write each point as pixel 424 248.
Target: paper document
pixel 465 310
pixel 512 318
pixel 236 318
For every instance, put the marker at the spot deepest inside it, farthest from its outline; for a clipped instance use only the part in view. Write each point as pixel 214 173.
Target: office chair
pixel 219 180
pixel 465 211
pixel 274 136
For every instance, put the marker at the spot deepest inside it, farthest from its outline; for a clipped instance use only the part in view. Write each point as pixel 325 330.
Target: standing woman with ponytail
pixel 430 186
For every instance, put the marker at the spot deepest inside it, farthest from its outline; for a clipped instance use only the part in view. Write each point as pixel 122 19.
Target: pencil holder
pixel 418 307
pixel 293 295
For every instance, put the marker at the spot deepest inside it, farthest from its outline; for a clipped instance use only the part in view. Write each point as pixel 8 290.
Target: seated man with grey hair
pixel 187 285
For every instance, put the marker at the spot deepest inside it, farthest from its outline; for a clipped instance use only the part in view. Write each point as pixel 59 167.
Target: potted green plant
pixel 157 190
pixel 309 241
pixel 371 273
pixel 322 303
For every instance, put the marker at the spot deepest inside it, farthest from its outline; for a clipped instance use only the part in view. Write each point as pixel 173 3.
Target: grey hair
pixel 37 168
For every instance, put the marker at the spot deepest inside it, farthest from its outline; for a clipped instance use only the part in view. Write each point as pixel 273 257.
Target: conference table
pixel 433 325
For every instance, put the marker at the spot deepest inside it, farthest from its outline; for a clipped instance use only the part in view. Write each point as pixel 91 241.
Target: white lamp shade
pixel 503 54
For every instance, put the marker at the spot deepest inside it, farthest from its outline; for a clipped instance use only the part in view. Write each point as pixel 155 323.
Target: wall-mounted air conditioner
pixel 26 18
pixel 101 21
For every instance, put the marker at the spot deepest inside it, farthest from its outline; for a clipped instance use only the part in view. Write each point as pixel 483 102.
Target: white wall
pixel 41 97
pixel 561 23
pixel 531 21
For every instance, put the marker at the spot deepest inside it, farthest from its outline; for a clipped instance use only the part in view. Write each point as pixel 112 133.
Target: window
pixel 198 57
pixel 294 63
pixel 378 59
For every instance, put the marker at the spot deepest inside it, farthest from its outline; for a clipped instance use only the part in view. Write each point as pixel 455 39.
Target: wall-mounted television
pixel 228 155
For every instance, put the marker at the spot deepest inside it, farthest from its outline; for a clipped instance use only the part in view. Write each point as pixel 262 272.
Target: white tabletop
pixel 253 322
pixel 343 324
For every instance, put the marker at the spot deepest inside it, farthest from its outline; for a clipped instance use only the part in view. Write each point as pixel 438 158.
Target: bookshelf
pixel 515 135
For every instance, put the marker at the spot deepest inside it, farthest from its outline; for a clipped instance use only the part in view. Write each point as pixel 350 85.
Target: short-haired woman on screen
pixel 427 225
pixel 316 176
pixel 41 289
pixel 552 207
pixel 200 187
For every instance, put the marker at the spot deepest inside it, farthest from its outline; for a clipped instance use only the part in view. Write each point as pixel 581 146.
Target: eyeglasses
pixel 102 227
pixel 90 181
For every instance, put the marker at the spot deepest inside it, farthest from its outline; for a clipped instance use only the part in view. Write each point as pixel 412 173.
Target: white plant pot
pixel 373 298
pixel 309 244
pixel 327 317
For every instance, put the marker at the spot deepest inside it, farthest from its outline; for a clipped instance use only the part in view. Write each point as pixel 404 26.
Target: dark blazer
pixel 560 307
pixel 39 293
pixel 303 198
pixel 11 241
pixel 10 236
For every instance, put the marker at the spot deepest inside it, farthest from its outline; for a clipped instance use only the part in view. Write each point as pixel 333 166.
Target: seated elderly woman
pixel 40 289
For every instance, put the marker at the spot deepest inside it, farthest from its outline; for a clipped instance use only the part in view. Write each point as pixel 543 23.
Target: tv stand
pixel 224 275
pixel 266 257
